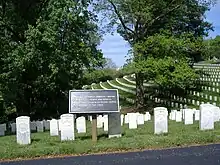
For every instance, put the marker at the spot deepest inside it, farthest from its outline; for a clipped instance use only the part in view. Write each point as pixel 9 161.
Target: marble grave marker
pixel 23 131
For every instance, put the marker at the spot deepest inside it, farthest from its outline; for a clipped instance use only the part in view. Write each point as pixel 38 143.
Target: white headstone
pixel 46 124
pixel 188 119
pixel 59 124
pixel 170 116
pixel 33 126
pixel 81 124
pixel 206 117
pixel 132 119
pixel 194 110
pixel 54 128
pixel 4 126
pixel 90 118
pixel 23 131
pixel 173 114
pixel 122 119
pixel 67 128
pixel 216 113
pixel 99 121
pixel 40 126
pixel 160 120
pixel 178 116
pixel 147 116
pixel 2 129
pixel 105 121
pixel 197 115
pixel 140 119
pixel 126 119
pixel 13 127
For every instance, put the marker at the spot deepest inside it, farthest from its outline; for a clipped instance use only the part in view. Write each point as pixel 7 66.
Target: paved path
pixel 204 155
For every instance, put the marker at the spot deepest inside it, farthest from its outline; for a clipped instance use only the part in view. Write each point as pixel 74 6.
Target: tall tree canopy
pixel 213 47
pixel 45 48
pixel 136 20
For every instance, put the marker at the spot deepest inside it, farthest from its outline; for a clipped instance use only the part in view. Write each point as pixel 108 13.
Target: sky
pixel 114 46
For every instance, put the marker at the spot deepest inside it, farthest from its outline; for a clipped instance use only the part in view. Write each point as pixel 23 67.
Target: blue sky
pixel 116 48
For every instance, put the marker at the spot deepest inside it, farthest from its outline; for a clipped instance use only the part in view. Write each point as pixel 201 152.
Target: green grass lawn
pixel 141 138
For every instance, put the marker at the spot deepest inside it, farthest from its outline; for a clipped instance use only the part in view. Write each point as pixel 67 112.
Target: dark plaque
pixel 93 101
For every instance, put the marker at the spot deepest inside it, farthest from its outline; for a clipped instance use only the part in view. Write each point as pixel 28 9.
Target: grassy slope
pixel 121 92
pixel 196 97
pixel 125 81
pixel 122 102
pixel 116 83
pixel 158 96
pixel 141 138
pixel 131 78
pixel 97 86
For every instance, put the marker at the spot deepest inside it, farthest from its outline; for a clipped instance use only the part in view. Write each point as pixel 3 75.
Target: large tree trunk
pixel 139 90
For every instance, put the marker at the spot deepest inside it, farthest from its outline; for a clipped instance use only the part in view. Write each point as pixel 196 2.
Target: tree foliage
pixel 59 42
pixel 213 47
pixel 49 47
pixel 102 75
pixel 137 20
pixel 109 64
pixel 163 45
pixel 168 61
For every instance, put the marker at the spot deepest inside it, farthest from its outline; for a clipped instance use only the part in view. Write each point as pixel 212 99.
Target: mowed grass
pixel 142 138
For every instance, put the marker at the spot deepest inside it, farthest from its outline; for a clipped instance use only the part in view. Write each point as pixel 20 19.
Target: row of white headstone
pixel 207 115
pixel 65 125
pixel 186 115
pixel 132 119
pixel 102 121
pixel 39 126
pixel 135 119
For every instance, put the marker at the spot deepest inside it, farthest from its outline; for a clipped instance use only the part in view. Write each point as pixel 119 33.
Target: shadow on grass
pixel 8 133
pixel 101 136
pixel 86 137
pixel 35 139
pixel 163 134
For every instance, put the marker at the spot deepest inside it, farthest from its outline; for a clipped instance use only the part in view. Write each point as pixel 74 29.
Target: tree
pixel 15 18
pixel 135 20
pixel 213 47
pixel 167 62
pixel 58 44
pixel 109 64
